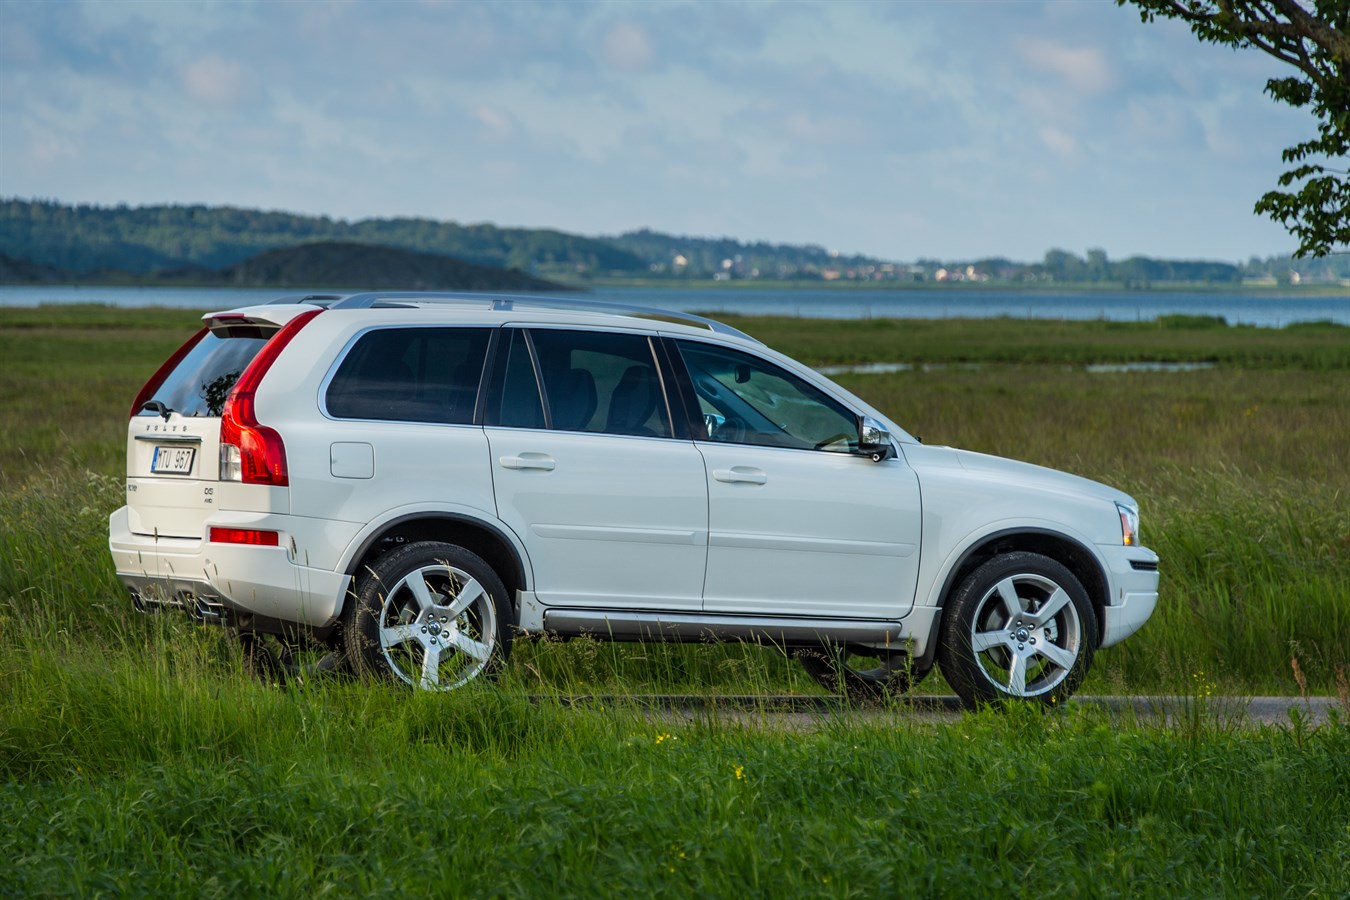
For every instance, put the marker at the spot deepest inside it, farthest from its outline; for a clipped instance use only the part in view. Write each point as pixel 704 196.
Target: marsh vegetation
pixel 138 756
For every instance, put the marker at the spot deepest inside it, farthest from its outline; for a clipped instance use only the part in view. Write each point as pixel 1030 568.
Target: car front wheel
pixel 1020 626
pixel 430 614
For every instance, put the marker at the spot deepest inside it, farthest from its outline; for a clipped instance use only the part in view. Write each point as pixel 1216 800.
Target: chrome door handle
pixel 529 461
pixel 741 475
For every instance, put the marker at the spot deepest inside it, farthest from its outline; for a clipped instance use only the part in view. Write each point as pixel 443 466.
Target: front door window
pixel 745 400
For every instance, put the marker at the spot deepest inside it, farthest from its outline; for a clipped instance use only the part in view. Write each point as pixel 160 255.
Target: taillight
pixel 250 451
pixel 163 372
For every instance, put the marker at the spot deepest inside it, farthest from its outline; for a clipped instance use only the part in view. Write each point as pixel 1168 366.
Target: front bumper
pixel 1133 581
pixel 219 581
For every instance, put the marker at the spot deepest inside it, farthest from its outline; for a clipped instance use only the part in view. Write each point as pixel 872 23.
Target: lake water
pixel 1268 309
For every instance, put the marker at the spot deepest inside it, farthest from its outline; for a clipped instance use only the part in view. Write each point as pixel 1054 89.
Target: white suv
pixel 412 480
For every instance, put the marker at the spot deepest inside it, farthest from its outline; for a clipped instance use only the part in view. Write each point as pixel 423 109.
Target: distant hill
pixel 22 271
pixel 146 239
pixel 322 264
pixel 346 264
pixel 44 239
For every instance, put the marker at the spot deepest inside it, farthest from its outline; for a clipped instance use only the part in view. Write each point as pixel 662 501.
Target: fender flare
pixel 973 547
pixel 375 531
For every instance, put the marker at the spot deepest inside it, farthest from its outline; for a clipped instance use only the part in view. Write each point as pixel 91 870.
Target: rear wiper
pixel 157 407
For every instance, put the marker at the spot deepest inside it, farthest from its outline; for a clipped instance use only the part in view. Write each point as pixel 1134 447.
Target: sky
pixel 901 130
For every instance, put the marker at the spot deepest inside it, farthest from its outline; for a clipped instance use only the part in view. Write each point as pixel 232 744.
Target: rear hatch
pixel 173 438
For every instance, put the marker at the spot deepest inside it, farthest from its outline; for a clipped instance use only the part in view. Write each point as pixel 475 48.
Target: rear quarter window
pixel 410 375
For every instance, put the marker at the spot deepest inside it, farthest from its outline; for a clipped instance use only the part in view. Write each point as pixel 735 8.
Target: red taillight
pixel 163 372
pixel 250 451
pixel 250 536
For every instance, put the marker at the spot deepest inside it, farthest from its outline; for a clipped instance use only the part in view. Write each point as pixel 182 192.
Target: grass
pixel 170 772
pixel 137 756
pixel 1313 346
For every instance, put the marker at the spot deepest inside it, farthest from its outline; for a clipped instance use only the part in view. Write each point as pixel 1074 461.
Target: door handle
pixel 741 475
pixel 540 461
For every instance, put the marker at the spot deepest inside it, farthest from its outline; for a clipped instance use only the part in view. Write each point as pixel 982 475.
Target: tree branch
pixel 1323 35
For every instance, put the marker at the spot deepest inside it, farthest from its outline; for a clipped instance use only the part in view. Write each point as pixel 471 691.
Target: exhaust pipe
pixel 152 600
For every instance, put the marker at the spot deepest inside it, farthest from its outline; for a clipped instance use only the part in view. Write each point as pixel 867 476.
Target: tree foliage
pixel 1137 271
pixel 1313 36
pixel 86 238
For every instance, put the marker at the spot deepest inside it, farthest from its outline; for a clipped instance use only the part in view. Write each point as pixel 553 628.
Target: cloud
pixel 48 149
pixel 214 81
pixel 1085 69
pixel 627 47
pixel 1061 143
pixel 496 124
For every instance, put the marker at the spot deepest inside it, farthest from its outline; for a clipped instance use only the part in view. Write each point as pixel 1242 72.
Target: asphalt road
pixel 802 711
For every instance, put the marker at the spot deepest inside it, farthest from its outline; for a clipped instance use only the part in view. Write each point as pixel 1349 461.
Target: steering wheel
pixel 731 431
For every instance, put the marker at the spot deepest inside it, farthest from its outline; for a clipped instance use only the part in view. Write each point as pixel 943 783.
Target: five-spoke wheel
pixel 1018 626
pixel 430 614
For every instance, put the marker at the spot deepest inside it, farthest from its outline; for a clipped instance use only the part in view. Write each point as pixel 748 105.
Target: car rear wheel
pixel 863 674
pixel 1020 626
pixel 432 615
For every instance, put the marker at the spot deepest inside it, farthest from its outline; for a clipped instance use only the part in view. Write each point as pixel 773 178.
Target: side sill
pixel 615 625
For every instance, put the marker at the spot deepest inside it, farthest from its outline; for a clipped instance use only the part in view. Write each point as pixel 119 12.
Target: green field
pixel 136 755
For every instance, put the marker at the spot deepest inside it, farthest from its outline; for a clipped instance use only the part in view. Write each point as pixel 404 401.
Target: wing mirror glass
pixel 873 439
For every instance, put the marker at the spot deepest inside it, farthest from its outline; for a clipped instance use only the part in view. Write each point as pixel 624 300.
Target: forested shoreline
pixel 46 241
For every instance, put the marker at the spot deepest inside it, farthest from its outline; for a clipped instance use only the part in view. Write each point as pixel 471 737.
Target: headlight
pixel 1129 525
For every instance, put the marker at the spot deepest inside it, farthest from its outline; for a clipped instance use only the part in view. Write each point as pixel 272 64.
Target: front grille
pixel 1143 565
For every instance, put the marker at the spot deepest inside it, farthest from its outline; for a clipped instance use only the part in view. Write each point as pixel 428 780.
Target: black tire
pixel 260 660
pixel 432 615
pixel 275 661
pixel 1021 627
pixel 862 674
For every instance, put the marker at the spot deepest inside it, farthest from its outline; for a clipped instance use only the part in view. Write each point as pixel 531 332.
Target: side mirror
pixel 873 439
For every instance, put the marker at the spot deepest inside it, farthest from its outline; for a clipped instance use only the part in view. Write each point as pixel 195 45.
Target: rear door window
pixel 601 382
pixel 410 375
pixel 200 383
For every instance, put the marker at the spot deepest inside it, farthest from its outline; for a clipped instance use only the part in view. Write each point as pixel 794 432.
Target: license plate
pixel 173 460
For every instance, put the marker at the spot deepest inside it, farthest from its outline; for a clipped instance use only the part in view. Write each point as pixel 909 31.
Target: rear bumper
pixel 1134 591
pixel 263 581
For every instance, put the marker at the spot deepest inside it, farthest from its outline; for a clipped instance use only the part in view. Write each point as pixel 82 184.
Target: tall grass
pixel 1243 474
pixel 1256 573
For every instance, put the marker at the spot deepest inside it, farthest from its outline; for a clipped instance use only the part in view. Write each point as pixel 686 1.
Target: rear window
pixel 410 375
pixel 200 383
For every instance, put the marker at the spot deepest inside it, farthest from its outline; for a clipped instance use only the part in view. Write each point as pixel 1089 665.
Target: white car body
pixel 620 535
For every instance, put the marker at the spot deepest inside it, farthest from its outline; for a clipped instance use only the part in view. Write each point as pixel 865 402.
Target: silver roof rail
pixel 323 300
pixel 505 302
